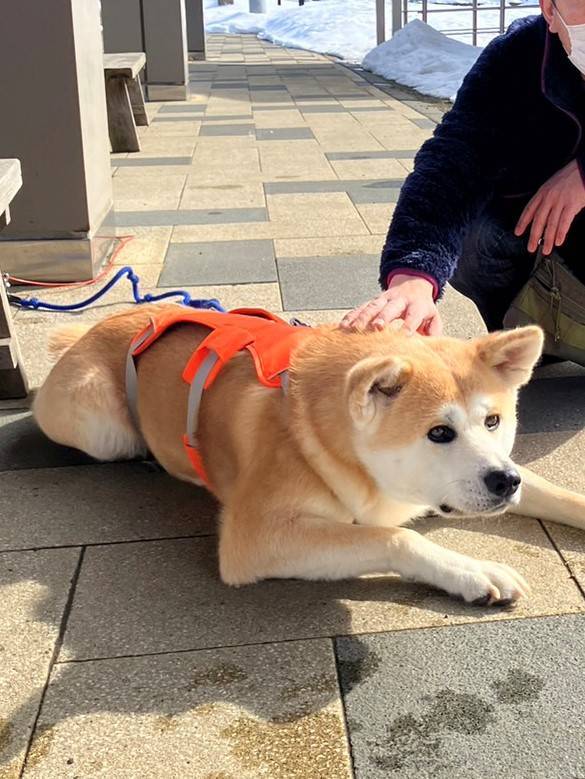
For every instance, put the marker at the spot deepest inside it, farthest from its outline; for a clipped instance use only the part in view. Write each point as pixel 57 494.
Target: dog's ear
pixel 512 353
pixel 372 383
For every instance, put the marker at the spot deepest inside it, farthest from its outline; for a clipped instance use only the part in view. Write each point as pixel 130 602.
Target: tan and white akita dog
pixel 375 429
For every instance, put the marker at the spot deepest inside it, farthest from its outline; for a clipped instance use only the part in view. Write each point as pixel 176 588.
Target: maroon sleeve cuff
pixel 419 273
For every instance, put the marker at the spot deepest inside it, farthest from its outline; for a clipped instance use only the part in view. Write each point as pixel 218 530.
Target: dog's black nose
pixel 502 483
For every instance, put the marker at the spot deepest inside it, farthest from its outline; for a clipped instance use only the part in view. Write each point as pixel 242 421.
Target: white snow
pixel 418 56
pixel 421 57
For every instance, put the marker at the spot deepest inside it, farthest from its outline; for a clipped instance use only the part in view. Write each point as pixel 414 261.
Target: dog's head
pixel 434 419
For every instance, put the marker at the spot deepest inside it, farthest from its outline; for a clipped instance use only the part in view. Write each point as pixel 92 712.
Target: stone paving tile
pixel 284 134
pixel 147 193
pixel 99 504
pixel 147 247
pixel 205 715
pixel 176 606
pixel 327 214
pixel 557 457
pixel 552 405
pixel 175 118
pixel 341 281
pixel 189 216
pixel 472 702
pixel 153 146
pixel 175 129
pixel 219 262
pixel 270 109
pixel 239 195
pixel 265 295
pixel 267 88
pixel 287 118
pixel 376 216
pixel 210 155
pixel 314 318
pixel 35 587
pixel 460 317
pixel 324 247
pixel 331 139
pixel 22 445
pixel 360 191
pixel 392 138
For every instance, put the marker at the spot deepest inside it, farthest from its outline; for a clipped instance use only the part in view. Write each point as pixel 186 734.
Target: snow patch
pixel 421 57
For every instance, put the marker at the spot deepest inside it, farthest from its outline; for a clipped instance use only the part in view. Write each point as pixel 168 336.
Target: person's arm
pixel 454 177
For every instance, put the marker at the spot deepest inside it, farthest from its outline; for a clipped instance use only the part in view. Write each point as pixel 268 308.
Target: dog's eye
pixel 441 434
pixel 492 422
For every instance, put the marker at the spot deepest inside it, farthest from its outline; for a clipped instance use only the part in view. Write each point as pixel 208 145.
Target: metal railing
pixel 404 11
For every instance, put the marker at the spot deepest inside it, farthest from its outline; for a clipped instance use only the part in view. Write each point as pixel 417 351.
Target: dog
pixel 374 430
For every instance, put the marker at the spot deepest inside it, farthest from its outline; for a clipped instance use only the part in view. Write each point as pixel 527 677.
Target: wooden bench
pixel 125 100
pixel 13 382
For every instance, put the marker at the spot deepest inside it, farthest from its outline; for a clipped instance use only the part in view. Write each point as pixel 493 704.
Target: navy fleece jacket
pixel 517 119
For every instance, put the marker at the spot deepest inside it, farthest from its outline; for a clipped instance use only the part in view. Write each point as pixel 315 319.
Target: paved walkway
pixel 121 653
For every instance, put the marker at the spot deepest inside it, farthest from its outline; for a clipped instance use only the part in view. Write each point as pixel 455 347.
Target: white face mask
pixel 576 33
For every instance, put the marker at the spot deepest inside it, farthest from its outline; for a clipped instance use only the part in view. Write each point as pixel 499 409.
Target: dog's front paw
pixel 485 583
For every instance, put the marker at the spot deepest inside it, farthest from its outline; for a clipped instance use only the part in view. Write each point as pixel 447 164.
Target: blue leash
pixel 35 304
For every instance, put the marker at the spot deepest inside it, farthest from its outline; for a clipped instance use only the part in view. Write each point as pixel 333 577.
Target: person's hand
pixel 409 298
pixel 552 210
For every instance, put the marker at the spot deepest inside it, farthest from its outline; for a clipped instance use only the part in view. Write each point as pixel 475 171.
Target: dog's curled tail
pixel 64 337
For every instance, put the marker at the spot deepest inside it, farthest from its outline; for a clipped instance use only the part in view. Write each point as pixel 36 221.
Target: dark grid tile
pixel 218 262
pixel 327 282
pixel 198 108
pixel 144 162
pixel 370 155
pixel 23 445
pixel 284 134
pixel 552 405
pixel 467 702
pixel 227 129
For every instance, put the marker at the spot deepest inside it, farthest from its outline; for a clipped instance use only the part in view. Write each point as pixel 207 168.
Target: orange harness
pixel 267 338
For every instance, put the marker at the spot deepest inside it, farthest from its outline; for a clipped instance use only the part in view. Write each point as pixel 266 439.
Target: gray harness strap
pixel 132 377
pixel 195 395
pixel 284 382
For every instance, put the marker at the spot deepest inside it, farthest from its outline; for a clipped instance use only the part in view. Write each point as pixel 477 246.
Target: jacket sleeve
pixel 454 175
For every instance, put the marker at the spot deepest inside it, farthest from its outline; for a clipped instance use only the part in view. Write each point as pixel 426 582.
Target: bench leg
pixel 123 135
pixel 137 100
pixel 5 218
pixel 13 382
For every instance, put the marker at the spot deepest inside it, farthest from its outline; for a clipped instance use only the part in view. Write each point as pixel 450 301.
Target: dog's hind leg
pixel 543 500
pixel 80 405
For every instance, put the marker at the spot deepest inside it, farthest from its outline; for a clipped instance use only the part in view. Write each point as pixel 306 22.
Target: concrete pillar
pixel 53 118
pixel 195 28
pixel 159 29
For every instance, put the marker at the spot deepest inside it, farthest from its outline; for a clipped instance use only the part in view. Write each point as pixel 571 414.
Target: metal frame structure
pixel 403 11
